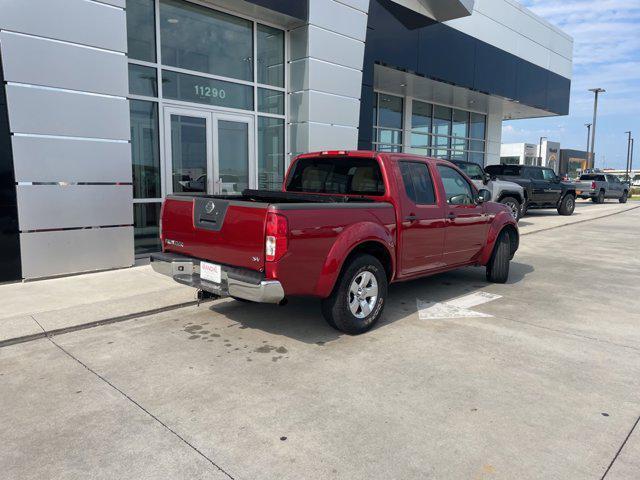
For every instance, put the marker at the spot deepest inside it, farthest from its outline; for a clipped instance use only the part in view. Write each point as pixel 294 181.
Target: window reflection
pixel 145 149
pixel 202 39
pixel 189 154
pixel 270 56
pixel 270 153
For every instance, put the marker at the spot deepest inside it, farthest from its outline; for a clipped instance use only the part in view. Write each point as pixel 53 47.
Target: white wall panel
pixel 70 251
pixel 54 112
pixel 46 159
pixel 317 43
pixel 39 61
pixel 311 137
pixel 338 18
pixel 313 74
pixel 115 3
pixel 55 206
pixel 313 106
pixel 78 21
pixel 362 5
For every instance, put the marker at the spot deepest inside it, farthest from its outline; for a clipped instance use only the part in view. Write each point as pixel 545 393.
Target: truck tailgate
pixel 229 232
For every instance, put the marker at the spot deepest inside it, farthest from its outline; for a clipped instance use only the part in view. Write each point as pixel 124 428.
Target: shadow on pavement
pixel 302 320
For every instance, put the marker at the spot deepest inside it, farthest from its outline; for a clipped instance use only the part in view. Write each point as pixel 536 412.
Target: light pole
pixel 628 169
pixel 540 151
pixel 596 92
pixel 588 125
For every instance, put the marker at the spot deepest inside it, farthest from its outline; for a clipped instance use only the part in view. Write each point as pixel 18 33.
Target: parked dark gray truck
pixel 599 186
pixel 542 187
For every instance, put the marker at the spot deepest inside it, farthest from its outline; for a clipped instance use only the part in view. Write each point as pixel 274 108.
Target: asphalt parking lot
pixel 535 379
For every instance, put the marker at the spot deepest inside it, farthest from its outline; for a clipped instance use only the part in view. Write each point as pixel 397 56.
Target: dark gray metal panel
pixel 43 159
pixel 55 112
pixel 39 61
pixel 71 251
pixel 78 21
pixel 44 207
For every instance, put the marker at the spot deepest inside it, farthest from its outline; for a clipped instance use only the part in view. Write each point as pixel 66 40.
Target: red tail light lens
pixel 593 185
pixel 277 237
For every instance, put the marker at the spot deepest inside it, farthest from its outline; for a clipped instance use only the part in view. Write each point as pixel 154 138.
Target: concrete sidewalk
pixel 33 308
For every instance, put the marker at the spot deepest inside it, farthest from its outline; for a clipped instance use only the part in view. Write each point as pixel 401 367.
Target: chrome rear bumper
pixel 240 283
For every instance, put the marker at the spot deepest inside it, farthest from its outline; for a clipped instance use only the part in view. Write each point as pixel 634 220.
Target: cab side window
pixel 417 182
pixel 457 189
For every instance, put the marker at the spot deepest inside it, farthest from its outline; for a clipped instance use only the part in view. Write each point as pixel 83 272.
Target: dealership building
pixel 107 106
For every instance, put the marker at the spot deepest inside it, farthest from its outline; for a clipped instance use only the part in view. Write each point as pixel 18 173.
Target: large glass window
pixel 146 218
pixel 270 153
pixel 145 149
pixel 206 40
pixel 270 56
pixel 457 189
pixel 141 30
pixel 143 80
pixel 388 135
pixel 434 130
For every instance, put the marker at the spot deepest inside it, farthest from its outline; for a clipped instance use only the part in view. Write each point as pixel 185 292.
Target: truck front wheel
pixel 514 207
pixel 498 266
pixel 567 205
pixel 359 296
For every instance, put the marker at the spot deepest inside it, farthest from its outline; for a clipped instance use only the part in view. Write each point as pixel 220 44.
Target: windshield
pixel 473 171
pixel 350 176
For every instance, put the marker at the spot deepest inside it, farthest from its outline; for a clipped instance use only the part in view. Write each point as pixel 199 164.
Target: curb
pixel 96 323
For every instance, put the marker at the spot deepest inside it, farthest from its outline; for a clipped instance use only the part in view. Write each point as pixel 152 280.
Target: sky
pixel 606 54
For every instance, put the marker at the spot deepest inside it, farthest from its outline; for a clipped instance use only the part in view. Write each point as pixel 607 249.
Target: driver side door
pixel 465 220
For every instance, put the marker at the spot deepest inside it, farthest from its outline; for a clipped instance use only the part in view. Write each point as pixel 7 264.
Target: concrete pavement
pixel 544 388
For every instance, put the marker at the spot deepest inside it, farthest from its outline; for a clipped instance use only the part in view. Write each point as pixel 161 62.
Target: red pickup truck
pixel 344 226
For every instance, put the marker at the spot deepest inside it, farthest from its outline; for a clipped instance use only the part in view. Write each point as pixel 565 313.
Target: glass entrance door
pixel 233 154
pixel 208 152
pixel 188 151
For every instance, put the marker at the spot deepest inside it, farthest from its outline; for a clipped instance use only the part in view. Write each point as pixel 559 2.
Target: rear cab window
pixel 337 175
pixel 506 170
pixel 592 177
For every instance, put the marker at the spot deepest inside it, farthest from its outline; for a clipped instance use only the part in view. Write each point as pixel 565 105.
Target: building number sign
pixel 209 92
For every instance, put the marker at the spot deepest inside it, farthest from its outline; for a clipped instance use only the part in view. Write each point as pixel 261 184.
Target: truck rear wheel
pixel 599 198
pixel 358 299
pixel 498 266
pixel 567 205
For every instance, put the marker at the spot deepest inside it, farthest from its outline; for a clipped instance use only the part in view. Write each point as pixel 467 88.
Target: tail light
pixel 277 237
pixel 593 185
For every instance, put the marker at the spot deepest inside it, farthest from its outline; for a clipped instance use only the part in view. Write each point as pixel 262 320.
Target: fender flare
pixel 347 241
pixel 501 221
pixel 511 193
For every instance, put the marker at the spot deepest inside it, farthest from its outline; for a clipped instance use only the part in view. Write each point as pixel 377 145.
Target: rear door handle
pixel 410 218
pixel 451 216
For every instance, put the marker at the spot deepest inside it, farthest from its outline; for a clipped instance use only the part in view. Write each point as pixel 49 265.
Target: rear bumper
pixel 236 282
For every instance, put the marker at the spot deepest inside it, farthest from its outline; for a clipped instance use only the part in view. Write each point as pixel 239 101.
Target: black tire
pixel 498 266
pixel 600 198
pixel 514 205
pixel 567 205
pixel 336 308
pixel 624 197
pixel 525 208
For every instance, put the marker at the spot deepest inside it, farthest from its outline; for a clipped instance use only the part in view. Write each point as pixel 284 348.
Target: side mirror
pixel 484 195
pixel 486 178
pixel 558 179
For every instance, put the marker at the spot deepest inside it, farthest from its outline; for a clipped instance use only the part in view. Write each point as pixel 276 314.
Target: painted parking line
pixel 457 308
